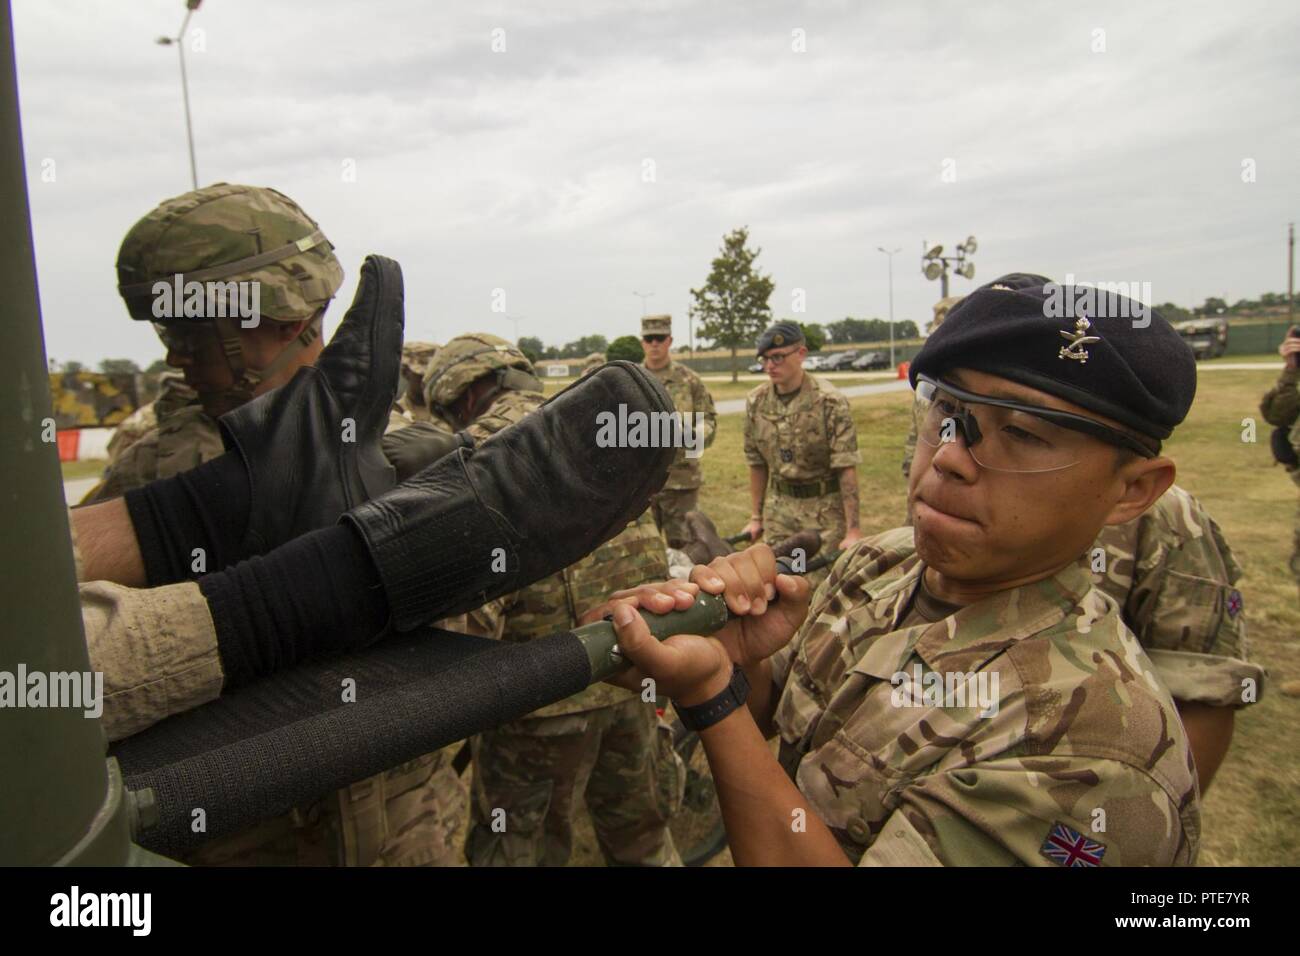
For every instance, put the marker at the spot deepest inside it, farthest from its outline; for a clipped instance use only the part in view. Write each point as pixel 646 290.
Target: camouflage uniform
pixel 184 439
pixel 416 357
pixel 803 444
pixel 681 492
pixel 1082 725
pixel 604 740
pixel 173 393
pixel 408 815
pixel 941 310
pixel 1174 578
pixel 592 362
pixel 1280 407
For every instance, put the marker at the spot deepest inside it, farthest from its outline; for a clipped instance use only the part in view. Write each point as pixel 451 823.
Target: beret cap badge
pixel 778 339
pixel 1077 339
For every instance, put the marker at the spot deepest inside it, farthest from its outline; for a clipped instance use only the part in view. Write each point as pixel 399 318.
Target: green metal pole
pixel 60 801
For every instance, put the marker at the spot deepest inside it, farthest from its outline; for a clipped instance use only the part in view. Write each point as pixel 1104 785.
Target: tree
pixel 119 367
pixel 157 367
pixel 732 305
pixel 585 346
pixel 906 330
pixel 73 367
pixel 625 347
pixel 814 335
pixel 1213 306
pixel 532 347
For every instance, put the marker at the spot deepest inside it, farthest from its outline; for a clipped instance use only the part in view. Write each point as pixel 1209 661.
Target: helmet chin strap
pixel 247 378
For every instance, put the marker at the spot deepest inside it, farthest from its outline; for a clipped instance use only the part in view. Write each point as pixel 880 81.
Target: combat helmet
pixel 592 362
pixel 221 237
pixel 467 358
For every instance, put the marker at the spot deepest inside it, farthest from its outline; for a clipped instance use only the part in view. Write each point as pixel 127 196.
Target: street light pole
pixel 642 296
pixel 190 7
pixel 889 254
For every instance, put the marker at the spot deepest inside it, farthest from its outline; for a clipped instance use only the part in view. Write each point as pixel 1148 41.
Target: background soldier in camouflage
pixel 1175 580
pixel 604 741
pixel 592 362
pixel 1075 756
pixel 941 310
pixel 411 814
pixel 416 357
pixel 802 449
pixel 682 492
pixel 1280 407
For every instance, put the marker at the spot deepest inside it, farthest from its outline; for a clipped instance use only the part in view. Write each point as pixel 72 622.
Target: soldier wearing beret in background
pixel 681 493
pixel 959 692
pixel 801 447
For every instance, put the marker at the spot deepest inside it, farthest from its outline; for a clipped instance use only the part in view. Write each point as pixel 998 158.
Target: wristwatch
pixel 707 714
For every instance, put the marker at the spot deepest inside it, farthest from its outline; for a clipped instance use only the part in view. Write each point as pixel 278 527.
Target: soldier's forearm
pixel 1209 733
pixel 769 821
pixel 757 488
pixel 849 496
pixel 106 540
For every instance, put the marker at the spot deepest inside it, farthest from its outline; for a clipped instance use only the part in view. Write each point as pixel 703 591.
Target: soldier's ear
pixel 1143 481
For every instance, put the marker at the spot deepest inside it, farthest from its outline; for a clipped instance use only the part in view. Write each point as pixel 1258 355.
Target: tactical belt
pixel 804 489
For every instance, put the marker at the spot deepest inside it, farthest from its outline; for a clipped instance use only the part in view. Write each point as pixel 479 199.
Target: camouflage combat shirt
pixel 690 397
pixel 183 439
pixel 805 439
pixel 1082 760
pixel 1174 578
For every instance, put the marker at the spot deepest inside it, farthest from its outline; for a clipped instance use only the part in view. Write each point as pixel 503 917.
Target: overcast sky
pixel 525 169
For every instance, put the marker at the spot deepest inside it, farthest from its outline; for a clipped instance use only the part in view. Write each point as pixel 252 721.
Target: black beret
pixel 1090 346
pixel 783 333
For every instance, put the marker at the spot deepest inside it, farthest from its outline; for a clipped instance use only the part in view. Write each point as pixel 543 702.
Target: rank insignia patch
pixel 1069 847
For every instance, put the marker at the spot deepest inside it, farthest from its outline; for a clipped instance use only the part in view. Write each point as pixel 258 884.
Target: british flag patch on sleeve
pixel 1071 848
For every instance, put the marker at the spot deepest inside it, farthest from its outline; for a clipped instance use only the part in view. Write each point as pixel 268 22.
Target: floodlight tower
pixel 935 265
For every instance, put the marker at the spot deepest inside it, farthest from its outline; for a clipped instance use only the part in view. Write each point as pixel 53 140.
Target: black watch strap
pixel 713 710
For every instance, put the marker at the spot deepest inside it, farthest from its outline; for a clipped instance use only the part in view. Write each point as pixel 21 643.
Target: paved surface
pixel 74 490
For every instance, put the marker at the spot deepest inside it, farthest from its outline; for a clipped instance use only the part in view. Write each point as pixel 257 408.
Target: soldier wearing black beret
pixel 959 692
pixel 801 447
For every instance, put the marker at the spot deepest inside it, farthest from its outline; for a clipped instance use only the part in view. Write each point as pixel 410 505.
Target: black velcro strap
pixel 287 740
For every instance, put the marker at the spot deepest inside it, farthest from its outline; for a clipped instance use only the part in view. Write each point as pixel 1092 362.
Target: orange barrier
pixel 68 440
pixel 903 369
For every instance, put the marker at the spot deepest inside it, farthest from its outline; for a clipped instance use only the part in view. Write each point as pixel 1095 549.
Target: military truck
pixel 1207 337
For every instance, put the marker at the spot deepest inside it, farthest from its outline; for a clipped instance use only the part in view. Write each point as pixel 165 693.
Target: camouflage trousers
pixel 669 508
pixel 527 774
pixel 783 516
pixel 411 815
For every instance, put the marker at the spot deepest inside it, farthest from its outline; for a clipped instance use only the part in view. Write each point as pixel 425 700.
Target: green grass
pixel 89 468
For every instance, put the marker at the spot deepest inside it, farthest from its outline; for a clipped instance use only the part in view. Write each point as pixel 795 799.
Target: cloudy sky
pixel 610 144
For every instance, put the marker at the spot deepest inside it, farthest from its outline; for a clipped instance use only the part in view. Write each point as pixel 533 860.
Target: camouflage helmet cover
pixel 594 360
pixel 416 357
pixel 225 233
pixel 463 361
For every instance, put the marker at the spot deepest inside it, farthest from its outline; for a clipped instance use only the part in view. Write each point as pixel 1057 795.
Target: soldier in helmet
pixel 604 741
pixel 415 361
pixel 682 492
pixel 253 244
pixel 592 362
pixel 237 244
